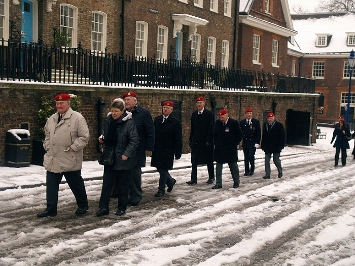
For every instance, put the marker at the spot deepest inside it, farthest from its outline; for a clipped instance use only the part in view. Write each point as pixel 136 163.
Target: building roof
pixel 335 26
pixel 288 31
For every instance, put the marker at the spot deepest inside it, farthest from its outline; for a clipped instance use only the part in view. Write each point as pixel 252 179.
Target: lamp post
pixel 351 64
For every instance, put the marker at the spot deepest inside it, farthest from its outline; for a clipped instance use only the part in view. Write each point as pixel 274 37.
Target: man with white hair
pixel 67 134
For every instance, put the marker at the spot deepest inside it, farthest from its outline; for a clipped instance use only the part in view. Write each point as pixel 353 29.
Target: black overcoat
pixel 201 137
pixel 226 141
pixel 273 141
pixel 251 133
pixel 168 142
pixel 144 123
pixel 341 140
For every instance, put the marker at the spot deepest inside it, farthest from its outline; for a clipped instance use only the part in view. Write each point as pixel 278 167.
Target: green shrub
pixel 48 108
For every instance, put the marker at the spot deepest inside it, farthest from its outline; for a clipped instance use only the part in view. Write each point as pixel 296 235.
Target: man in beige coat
pixel 67 134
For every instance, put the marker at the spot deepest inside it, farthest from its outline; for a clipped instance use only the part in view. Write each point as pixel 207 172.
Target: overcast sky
pixel 308 6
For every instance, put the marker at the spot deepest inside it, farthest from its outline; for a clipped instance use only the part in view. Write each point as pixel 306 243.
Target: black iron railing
pixel 42 63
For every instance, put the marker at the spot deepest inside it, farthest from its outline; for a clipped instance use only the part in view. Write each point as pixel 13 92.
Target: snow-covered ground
pixel 305 218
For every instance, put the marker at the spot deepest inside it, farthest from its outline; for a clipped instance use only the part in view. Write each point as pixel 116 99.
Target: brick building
pixel 324 43
pixel 265 28
pixel 242 34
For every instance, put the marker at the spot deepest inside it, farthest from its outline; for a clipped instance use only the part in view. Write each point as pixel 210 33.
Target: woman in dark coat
pixel 168 143
pixel 341 135
pixel 120 132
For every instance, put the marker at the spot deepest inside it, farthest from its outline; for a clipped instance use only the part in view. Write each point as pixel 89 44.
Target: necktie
pixel 59 117
pixel 268 127
pixel 164 118
pixel 249 122
pixel 199 112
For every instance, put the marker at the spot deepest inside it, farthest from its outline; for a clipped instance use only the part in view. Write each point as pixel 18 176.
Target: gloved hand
pixel 148 153
pixel 257 145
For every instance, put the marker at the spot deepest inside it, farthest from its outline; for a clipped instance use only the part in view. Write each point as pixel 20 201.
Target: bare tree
pixel 337 6
pixel 298 9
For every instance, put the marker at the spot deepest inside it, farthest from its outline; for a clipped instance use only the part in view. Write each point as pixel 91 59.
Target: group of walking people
pixel 132 134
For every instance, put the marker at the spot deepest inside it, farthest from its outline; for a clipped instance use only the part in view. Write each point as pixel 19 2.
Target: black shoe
pixel 120 213
pixel 81 211
pixel 251 173
pixel 266 177
pixel 216 187
pixel 159 194
pixel 246 174
pixel 170 188
pixel 102 212
pixel 279 175
pixel 191 182
pixel 235 185
pixel 46 214
pixel 210 181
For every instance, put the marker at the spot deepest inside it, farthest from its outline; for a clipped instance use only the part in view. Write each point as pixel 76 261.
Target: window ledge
pixel 256 62
pixel 274 65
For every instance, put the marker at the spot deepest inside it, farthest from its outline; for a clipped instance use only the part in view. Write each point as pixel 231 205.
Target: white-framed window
pixel 162 43
pixel 198 3
pixel 196 46
pixel 322 40
pixel 346 72
pixel 227 8
pixel 214 6
pixel 98 31
pixel 318 69
pixel 275 52
pixel 69 23
pixel 256 49
pixel 183 1
pixel 267 6
pixel 344 104
pixel 344 98
pixel 293 68
pixel 4 19
pixel 225 54
pixel 211 51
pixel 351 39
pixel 141 39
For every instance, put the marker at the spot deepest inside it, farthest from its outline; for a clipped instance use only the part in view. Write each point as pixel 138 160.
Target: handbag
pixel 106 157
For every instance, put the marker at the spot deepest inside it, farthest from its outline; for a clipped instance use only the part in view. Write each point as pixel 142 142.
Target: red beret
pixel 130 93
pixel 168 103
pixel 62 97
pixel 200 98
pixel 248 110
pixel 223 112
pixel 271 114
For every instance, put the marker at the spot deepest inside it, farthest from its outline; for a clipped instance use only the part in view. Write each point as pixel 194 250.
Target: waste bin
pixel 17 148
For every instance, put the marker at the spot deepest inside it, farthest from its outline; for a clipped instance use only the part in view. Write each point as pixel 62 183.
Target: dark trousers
pixel 164 180
pixel 76 184
pixel 122 179
pixel 249 159
pixel 135 186
pixel 233 167
pixel 210 169
pixel 343 156
pixel 277 162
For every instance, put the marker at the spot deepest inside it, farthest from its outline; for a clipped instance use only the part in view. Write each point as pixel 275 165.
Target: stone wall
pixel 20 102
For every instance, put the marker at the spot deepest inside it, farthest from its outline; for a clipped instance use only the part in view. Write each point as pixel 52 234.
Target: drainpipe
pixel 235 32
